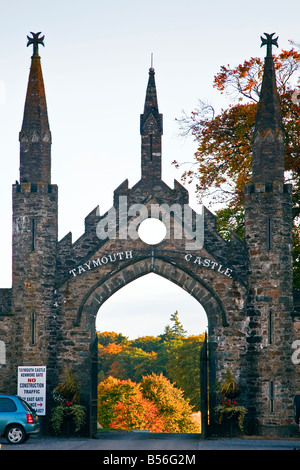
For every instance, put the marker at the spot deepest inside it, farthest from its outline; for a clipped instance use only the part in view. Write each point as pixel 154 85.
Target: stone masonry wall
pixel 215 275
pixel 271 372
pixel 34 268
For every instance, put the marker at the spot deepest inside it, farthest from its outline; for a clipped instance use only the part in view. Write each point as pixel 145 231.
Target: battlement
pixel 41 188
pixel 276 187
pixel 231 252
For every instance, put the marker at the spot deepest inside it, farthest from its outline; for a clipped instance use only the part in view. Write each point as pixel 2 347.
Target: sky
pixel 95 65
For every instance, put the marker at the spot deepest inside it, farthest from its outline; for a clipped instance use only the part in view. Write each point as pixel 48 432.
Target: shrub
pixel 68 413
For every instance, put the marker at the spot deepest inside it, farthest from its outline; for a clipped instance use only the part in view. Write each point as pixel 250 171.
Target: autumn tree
pixel 173 354
pixel 108 337
pixel 110 392
pixel 223 161
pixel 173 407
pixel 107 358
pixel 121 405
pixel 138 413
pixel 124 360
pixel 154 404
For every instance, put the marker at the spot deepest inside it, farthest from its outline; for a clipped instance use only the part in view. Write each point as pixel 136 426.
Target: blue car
pixel 17 419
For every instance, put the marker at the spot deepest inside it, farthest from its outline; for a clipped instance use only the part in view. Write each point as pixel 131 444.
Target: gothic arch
pixel 103 289
pixel 195 286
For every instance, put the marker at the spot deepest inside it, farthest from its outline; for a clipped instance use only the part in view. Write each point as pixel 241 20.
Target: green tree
pixel 172 338
pixel 175 331
pixel 177 327
pixel 183 368
pixel 147 343
pixel 135 363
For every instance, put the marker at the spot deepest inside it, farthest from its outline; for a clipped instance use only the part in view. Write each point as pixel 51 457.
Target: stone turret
pixel 34 227
pixel 268 228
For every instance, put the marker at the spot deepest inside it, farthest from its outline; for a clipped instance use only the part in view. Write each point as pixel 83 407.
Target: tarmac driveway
pixel 144 441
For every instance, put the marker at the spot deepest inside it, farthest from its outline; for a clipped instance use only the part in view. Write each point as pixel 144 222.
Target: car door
pixel 8 409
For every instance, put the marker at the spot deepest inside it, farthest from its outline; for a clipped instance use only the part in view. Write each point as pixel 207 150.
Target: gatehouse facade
pixel 47 317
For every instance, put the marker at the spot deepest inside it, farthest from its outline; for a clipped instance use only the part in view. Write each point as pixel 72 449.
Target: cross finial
pixel 269 42
pixel 35 40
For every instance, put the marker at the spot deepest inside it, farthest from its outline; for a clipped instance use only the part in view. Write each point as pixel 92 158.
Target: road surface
pixel 151 442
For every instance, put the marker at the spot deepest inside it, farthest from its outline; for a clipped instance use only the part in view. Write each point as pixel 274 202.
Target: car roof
pixel 6 395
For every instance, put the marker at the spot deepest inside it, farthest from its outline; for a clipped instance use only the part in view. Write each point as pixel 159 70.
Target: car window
pixel 6 404
pixel 26 405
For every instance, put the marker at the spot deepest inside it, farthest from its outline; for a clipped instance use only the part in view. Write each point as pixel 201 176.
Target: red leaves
pixel 121 405
pixel 245 79
pixel 137 413
pixel 223 161
pixel 155 405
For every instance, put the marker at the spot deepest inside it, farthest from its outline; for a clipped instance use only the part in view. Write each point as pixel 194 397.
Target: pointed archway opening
pixel 144 306
pixel 140 316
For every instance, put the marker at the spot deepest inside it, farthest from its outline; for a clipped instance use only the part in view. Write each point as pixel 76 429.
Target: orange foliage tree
pixel 174 408
pixel 106 357
pixel 121 405
pixel 155 405
pixel 137 413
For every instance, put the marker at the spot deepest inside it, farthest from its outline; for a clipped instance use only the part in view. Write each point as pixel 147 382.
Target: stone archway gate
pixel 48 316
pixel 214 273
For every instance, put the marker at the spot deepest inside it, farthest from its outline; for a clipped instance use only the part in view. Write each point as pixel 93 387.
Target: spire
pixel 151 103
pixel 268 141
pixel 151 127
pixel 35 135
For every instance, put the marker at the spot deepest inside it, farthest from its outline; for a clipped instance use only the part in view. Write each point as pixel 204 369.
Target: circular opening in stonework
pixel 152 231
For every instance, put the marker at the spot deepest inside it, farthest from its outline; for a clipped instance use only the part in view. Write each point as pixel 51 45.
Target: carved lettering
pixel 208 263
pixel 97 262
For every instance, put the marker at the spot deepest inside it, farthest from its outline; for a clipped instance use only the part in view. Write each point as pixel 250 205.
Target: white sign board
pixel 32 387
